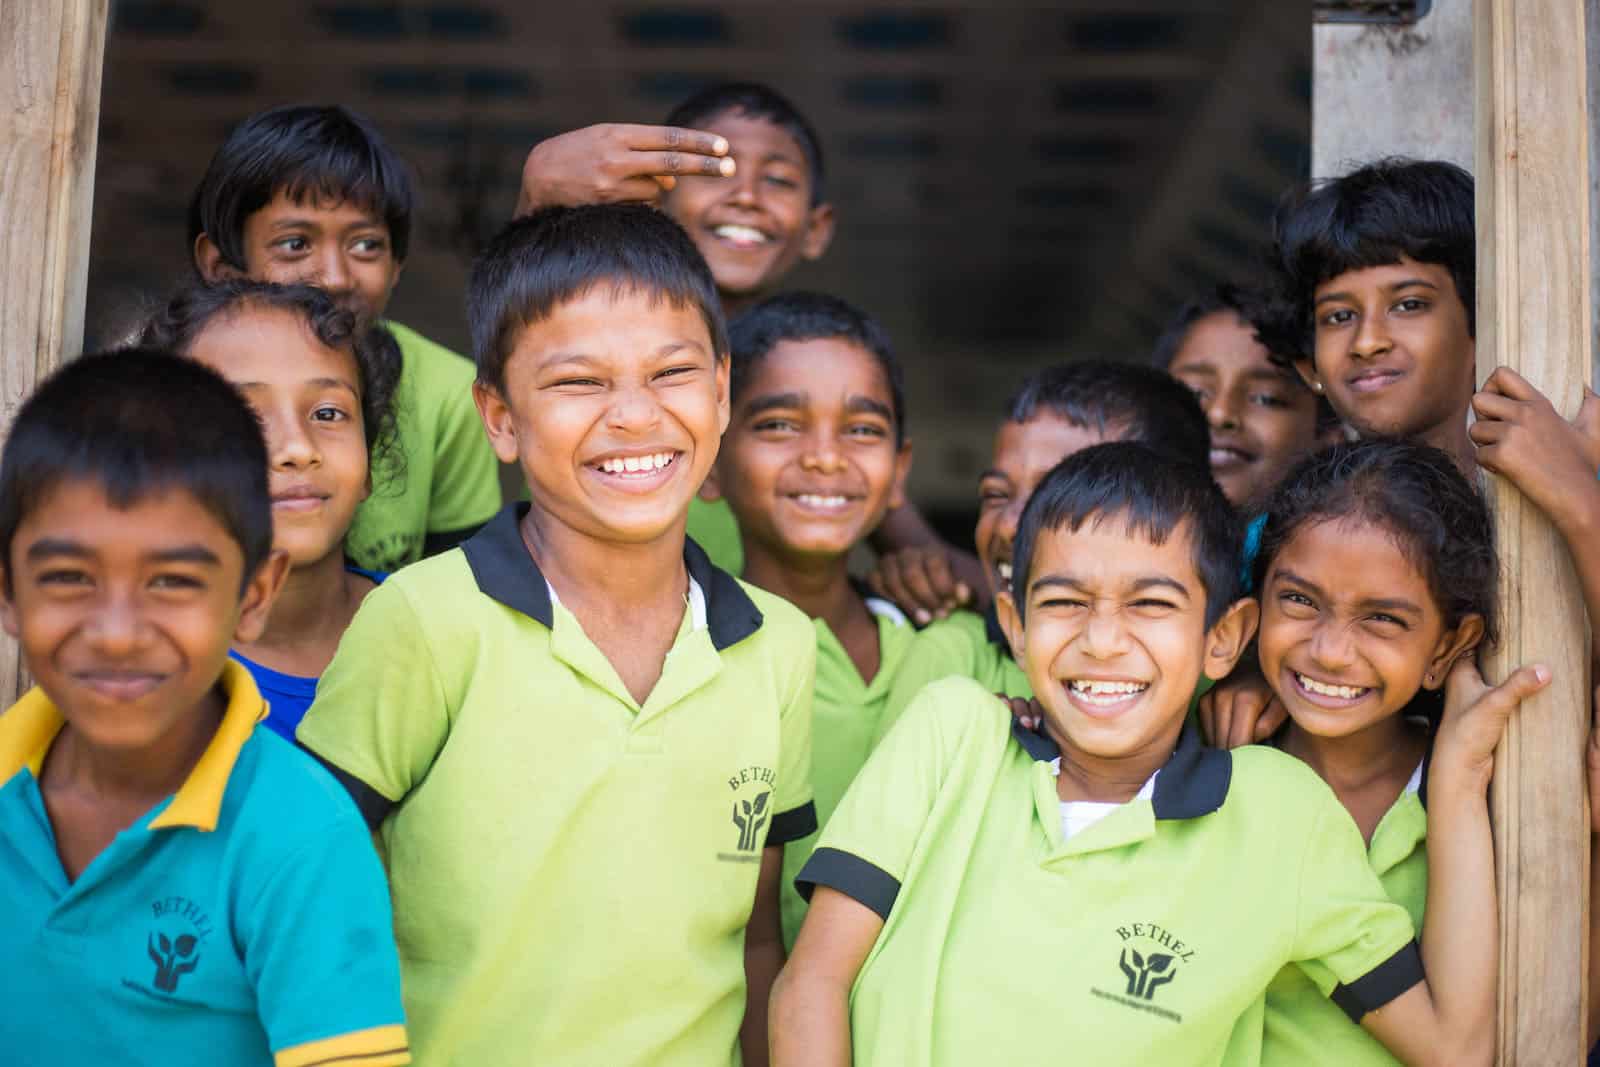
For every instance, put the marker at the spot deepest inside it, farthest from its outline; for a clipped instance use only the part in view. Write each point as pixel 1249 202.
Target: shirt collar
pixel 506 572
pixel 1193 782
pixel 29 728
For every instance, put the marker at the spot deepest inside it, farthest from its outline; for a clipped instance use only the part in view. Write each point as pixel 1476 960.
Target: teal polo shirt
pixel 242 921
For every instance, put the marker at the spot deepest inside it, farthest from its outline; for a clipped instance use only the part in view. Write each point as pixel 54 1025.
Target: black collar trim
pixel 506 572
pixel 1194 781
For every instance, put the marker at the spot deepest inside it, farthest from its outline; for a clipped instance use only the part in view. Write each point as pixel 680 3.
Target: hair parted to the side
pixel 1132 401
pixel 756 101
pixel 137 422
pixel 807 316
pixel 192 308
pixel 558 254
pixel 1152 497
pixel 304 151
pixel 1371 217
pixel 1418 496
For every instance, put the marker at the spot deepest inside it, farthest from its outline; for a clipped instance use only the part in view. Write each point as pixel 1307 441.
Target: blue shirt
pixel 289 695
pixel 243 920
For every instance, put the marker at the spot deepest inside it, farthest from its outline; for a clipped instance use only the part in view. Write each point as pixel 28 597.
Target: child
pixel 1056 412
pixel 813 457
pixel 1263 418
pixel 314 195
pixel 1377 574
pixel 984 892
pixel 321 389
pixel 178 885
pixel 741 169
pixel 583 746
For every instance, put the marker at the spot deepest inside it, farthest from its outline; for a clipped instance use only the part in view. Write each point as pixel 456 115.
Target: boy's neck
pixel 1451 438
pixel 313 608
pixel 139 778
pixel 817 585
pixel 605 578
pixel 1382 756
pixel 1103 780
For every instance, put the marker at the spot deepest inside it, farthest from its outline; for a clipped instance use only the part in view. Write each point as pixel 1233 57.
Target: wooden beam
pixel 51 53
pixel 1534 315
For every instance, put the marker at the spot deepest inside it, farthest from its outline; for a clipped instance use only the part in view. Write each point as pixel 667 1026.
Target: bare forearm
pixel 810 1023
pixel 762 962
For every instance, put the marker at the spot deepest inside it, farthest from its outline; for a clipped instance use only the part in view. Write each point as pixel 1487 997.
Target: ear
pixel 819 232
pixel 711 488
pixel 1451 646
pixel 1227 640
pixel 8 607
pixel 259 592
pixel 1005 609
pixel 497 421
pixel 902 471
pixel 1307 369
pixel 209 262
pixel 724 367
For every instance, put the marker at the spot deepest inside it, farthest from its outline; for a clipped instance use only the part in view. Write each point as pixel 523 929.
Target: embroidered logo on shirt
pixel 174 942
pixel 752 811
pixel 1149 959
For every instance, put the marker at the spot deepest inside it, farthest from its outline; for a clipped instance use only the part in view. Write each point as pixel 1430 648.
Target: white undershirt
pixel 1078 815
pixel 696 598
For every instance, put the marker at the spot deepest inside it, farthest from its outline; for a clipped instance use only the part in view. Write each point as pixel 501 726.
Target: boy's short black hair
pixel 1421 209
pixel 756 101
pixel 301 150
pixel 140 421
pixel 377 356
pixel 1419 497
pixel 557 254
pixel 1130 481
pixel 1134 401
pixel 806 316
pixel 1248 305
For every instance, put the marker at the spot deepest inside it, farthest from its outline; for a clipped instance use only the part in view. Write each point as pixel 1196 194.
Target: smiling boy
pixel 180 885
pixel 583 746
pixel 984 890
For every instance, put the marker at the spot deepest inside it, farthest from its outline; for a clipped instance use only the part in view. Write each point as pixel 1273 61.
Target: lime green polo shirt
pixel 1304 1028
pixel 1144 939
pixel 713 527
pixel 243 920
pixel 964 644
pixel 572 871
pixel 844 725
pixel 446 478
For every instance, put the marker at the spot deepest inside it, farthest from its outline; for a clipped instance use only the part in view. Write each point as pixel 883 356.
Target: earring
pixel 1316 387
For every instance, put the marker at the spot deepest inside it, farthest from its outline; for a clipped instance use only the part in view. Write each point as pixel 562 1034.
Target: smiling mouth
pixel 1102 698
pixel 823 502
pixel 1002 569
pixel 1372 381
pixel 1225 457
pixel 639 467
pixel 1329 691
pixel 299 501
pixel 740 236
pixel 120 685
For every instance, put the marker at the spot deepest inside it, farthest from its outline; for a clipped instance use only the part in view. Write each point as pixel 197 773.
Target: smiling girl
pixel 321 384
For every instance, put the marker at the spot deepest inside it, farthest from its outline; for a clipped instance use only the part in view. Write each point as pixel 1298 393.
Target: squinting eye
pixel 1268 400
pixel 782 182
pixel 176 581
pixel 64 578
pixel 775 426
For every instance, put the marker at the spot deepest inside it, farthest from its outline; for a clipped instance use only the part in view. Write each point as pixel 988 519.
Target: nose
pixel 1222 410
pixel 289 444
pixel 822 455
pixel 741 188
pixel 333 272
pixel 1105 637
pixel 116 628
pixel 1372 337
pixel 1331 647
pixel 634 409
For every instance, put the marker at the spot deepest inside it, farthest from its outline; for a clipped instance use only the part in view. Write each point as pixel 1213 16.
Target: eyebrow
pixel 1394 604
pixel 1139 585
pixel 857 405
pixel 1408 283
pixel 773 401
pixel 51 547
pixel 320 383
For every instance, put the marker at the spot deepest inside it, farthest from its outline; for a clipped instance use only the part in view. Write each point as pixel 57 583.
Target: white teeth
pixel 747 234
pixel 1097 692
pixel 1342 692
pixel 817 500
pixel 1004 569
pixel 637 464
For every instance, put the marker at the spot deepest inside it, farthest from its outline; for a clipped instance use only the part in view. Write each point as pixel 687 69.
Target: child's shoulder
pixel 1268 780
pixel 959 709
pixel 281 799
pixel 785 620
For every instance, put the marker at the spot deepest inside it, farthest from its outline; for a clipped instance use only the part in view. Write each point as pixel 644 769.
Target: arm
pixel 918 571
pixel 1594 875
pixel 811 998
pixel 1449 1018
pixel 1551 461
pixel 1241 709
pixel 763 957
pixel 616 163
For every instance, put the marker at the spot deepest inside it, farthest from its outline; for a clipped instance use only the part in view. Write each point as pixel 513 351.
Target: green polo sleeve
pixel 1351 939
pixel 381 713
pixel 957 646
pixel 317 941
pixel 465 490
pixel 865 850
pixel 795 812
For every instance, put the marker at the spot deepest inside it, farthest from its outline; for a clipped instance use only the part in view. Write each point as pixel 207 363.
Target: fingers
pixel 1268 718
pixel 669 163
pixel 1487 405
pixel 1508 383
pixel 642 138
pixel 925 599
pixel 1522 684
pixel 1026 711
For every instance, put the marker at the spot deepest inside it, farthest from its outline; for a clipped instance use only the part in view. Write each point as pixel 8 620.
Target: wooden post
pixel 50 60
pixel 1534 266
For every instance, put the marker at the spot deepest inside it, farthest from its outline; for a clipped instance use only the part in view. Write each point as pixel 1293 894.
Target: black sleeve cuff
pixel 1381 984
pixel 850 875
pixel 373 805
pixel 792 825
